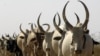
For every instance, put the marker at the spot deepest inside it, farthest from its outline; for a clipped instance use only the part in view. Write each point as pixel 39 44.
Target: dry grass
pixel 97 50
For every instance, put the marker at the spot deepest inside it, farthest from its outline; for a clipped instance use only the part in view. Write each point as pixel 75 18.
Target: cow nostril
pixel 26 46
pixel 39 48
pixel 78 51
pixel 47 49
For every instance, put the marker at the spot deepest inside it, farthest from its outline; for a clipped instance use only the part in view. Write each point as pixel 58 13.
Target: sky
pixel 16 12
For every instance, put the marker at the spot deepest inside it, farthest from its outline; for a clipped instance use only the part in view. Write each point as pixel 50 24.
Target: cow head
pixel 76 32
pixel 62 30
pixel 36 35
pixel 47 37
pixel 31 38
pixel 23 35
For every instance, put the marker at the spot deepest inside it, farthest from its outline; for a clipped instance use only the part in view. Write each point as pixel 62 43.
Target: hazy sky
pixel 14 12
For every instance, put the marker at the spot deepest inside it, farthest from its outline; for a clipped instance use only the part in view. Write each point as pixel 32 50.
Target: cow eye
pixel 22 37
pixel 72 43
pixel 35 43
pixel 57 38
pixel 33 39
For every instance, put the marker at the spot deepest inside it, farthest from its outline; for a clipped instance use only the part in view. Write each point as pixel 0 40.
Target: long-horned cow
pixel 75 41
pixel 21 40
pixel 35 39
pixel 30 42
pixel 57 38
pixel 47 45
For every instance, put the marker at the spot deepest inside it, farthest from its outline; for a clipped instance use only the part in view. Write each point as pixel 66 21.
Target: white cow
pixel 21 41
pixel 57 37
pixel 34 42
pixel 76 42
pixel 30 42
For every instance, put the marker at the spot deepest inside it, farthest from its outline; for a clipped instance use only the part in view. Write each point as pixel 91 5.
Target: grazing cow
pixel 76 41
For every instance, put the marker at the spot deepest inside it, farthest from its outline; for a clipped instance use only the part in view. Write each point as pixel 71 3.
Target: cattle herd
pixel 64 40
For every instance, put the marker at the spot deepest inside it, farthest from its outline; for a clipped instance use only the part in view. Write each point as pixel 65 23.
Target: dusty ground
pixel 97 50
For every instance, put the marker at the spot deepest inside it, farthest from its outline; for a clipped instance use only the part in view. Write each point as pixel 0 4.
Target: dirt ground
pixel 97 50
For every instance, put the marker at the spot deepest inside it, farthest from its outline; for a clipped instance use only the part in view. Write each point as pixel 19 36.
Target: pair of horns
pixel 40 27
pixel 69 26
pixel 57 26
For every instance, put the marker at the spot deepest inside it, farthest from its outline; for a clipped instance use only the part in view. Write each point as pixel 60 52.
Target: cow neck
pixel 84 41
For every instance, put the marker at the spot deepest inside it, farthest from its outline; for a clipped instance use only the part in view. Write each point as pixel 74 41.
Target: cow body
pixel 47 44
pixel 68 50
pixel 56 44
pixel 75 42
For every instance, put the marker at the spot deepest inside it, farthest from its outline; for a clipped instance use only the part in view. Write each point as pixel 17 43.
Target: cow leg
pixel 24 54
pixel 20 53
pixel 47 53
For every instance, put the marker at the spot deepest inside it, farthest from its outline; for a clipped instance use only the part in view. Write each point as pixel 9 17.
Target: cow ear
pixel 57 38
pixel 22 37
pixel 86 31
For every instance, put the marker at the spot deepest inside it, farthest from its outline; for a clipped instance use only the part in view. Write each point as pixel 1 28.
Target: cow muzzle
pixel 39 48
pixel 47 49
pixel 26 46
pixel 78 51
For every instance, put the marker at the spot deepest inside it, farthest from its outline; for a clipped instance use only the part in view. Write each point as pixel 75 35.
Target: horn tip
pixel 30 23
pixel 75 13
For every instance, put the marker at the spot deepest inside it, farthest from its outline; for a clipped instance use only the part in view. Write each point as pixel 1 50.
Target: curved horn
pixel 78 20
pixel 59 19
pixel 48 27
pixel 35 25
pixel 68 25
pixel 87 15
pixel 14 35
pixel 56 26
pixel 7 35
pixel 32 27
pixel 3 37
pixel 22 30
pixel 40 28
pixel 85 28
